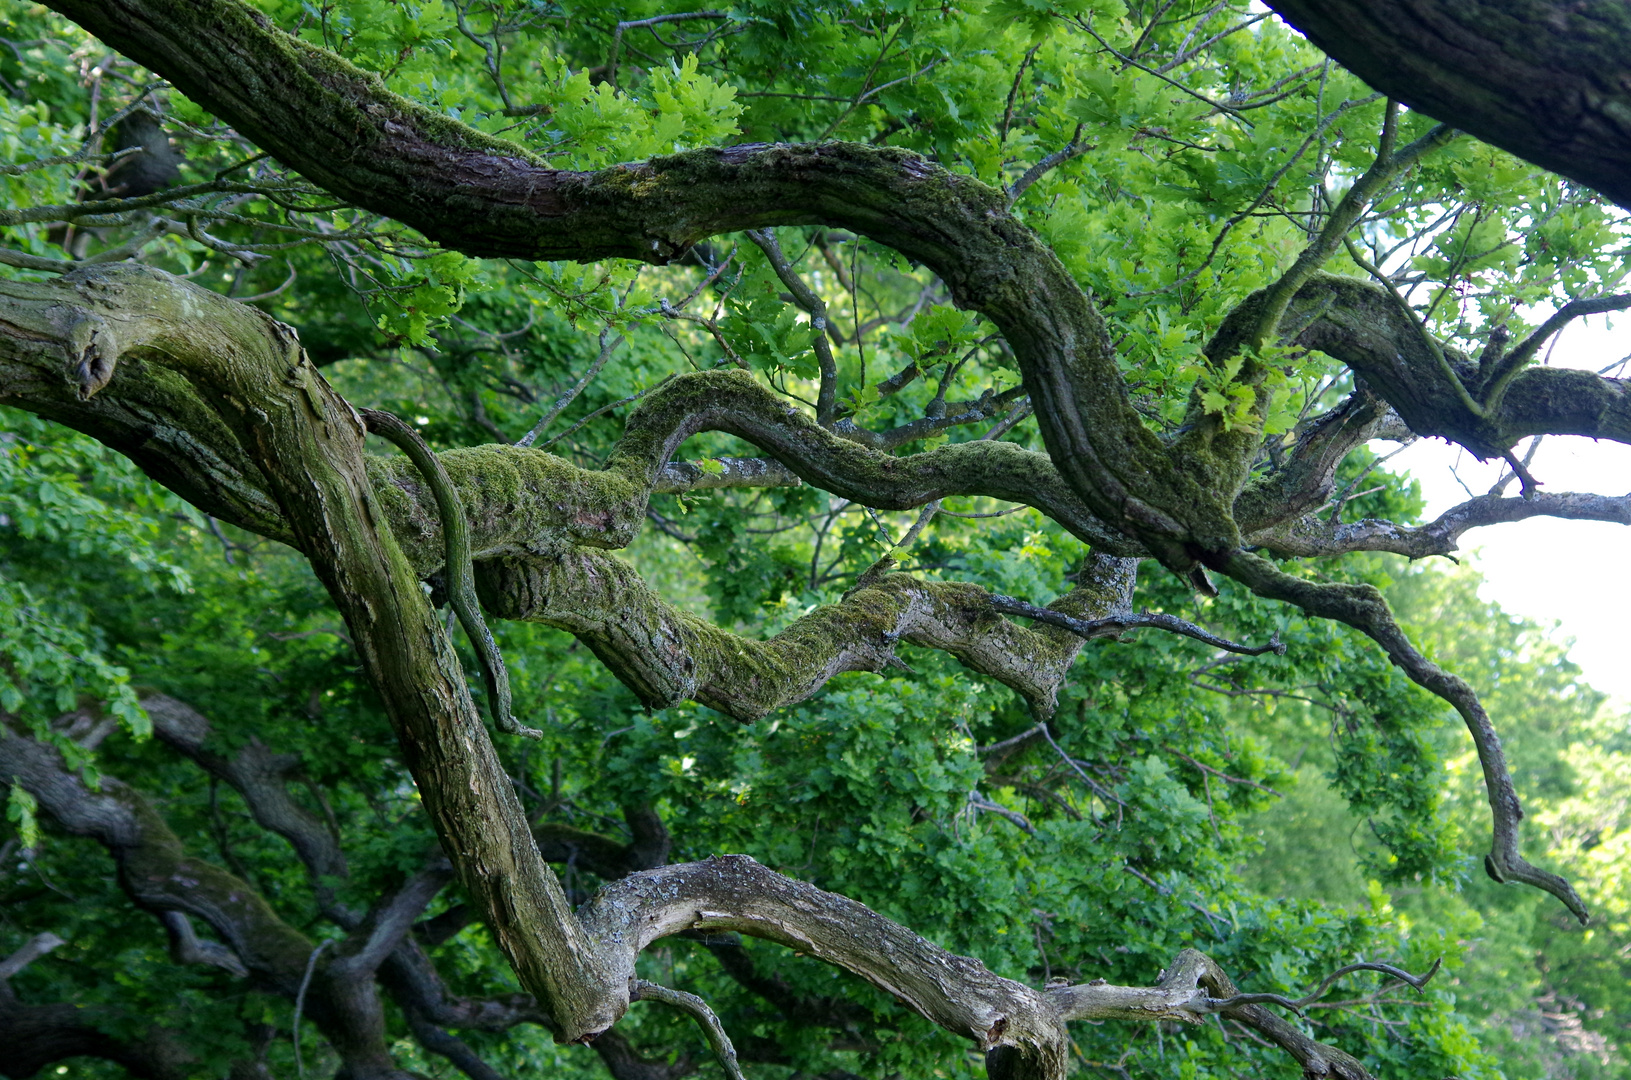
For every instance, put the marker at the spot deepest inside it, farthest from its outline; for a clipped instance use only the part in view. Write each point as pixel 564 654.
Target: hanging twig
pixel 712 1029
pixel 300 1004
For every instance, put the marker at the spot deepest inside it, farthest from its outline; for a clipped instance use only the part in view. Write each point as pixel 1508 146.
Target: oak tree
pixel 1155 277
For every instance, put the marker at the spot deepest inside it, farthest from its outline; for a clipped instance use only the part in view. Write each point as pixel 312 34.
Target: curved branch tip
pixel 718 1041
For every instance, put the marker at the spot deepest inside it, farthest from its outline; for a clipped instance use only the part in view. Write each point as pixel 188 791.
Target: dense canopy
pixel 874 507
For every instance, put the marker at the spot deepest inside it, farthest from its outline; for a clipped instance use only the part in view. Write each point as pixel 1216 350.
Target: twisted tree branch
pixel 1363 608
pixel 667 656
pixel 1318 536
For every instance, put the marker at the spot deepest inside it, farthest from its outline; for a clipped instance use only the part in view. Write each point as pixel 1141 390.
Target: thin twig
pixel 712 1029
pixel 300 1004
pixel 1117 624
pixel 639 24
pixel 604 410
pixel 1075 148
pixel 606 350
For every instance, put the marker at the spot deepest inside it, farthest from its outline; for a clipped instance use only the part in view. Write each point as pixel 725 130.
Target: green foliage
pixel 1286 814
pixel 425 294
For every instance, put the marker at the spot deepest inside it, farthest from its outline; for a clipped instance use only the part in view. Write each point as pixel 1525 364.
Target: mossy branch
pixel 667 656
pixel 461 588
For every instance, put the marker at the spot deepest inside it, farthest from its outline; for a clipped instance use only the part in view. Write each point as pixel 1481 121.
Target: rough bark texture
pixel 668 656
pixel 222 405
pixel 1547 80
pixel 340 127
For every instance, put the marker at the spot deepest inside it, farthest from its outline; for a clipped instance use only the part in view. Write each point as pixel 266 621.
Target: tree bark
pixel 285 433
pixel 1547 80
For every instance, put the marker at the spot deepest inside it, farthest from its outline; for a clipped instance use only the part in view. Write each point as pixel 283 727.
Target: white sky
pixel 1572 573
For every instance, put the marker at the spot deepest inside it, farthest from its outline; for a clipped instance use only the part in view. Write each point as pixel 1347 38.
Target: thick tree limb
pixel 343 130
pixel 340 127
pixel 1362 325
pixel 186 947
pixel 667 656
pixel 1539 78
pixel 1019 1026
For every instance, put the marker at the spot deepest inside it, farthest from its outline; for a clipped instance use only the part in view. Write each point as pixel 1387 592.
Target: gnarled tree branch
pixel 1316 536
pixel 667 656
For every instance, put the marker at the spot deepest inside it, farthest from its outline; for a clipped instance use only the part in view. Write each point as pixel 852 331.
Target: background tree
pixel 977 309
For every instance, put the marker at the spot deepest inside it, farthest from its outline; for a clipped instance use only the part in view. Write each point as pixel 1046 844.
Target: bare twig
pixel 1075 148
pixel 300 1004
pixel 1118 624
pixel 712 1029
pixel 607 347
pixel 816 308
pixel 646 24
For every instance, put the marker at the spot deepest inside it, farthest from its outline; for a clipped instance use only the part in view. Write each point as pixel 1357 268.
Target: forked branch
pixel 1314 536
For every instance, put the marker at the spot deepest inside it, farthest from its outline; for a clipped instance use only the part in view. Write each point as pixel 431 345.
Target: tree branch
pixel 1533 78
pixel 1020 1026
pixel 718 1041
pixel 1363 608
pixel 1114 625
pixel 1316 536
pixel 187 948
pixel 36 1036
pixel 258 774
pixel 667 656
pixel 30 951
pixel 813 306
pixel 344 131
pixel 156 873
pixel 391 921
pixel 1426 381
